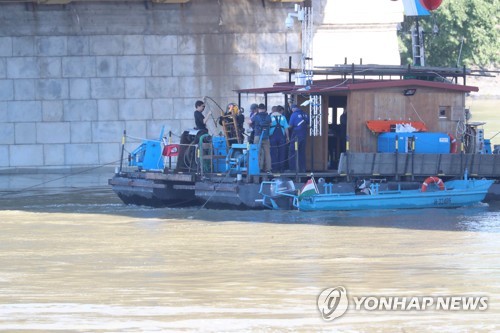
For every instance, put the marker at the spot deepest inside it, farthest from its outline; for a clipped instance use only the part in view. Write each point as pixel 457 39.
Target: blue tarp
pixel 414 8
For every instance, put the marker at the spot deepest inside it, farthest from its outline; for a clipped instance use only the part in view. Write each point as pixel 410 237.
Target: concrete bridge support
pixel 74 76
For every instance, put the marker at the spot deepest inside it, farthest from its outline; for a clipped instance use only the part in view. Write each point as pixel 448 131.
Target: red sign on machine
pixel 171 150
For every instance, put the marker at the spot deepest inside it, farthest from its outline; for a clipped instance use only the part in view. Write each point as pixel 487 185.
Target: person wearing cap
pixel 299 123
pixel 199 119
pixel 253 111
pixel 262 123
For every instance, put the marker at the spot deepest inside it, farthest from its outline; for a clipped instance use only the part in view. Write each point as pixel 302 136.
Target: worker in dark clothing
pixel 299 123
pixel 253 111
pixel 262 122
pixel 278 135
pixel 199 119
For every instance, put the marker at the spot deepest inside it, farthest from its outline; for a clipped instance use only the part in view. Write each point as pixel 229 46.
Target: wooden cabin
pixel 440 105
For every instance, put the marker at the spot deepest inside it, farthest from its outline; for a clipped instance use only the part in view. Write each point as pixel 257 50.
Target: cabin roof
pixel 280 87
pixel 339 85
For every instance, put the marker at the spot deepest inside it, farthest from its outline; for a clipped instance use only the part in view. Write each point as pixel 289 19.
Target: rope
pixel 137 138
pixel 461 129
pixel 210 98
pixel 411 104
pixel 335 86
pixel 189 156
pixel 215 190
pixel 63 177
pixel 211 114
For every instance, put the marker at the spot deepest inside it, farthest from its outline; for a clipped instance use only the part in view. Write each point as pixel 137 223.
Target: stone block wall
pixel 74 77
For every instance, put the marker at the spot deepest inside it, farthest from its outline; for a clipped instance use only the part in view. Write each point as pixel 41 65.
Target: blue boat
pixel 434 193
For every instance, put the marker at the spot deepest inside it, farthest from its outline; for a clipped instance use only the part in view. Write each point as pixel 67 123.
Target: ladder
pixel 418 47
pixel 315 107
pixel 230 129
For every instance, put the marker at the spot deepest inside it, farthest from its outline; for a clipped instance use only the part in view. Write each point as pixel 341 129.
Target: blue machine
pixel 487 146
pixel 220 151
pixel 242 157
pixel 148 156
pixel 425 142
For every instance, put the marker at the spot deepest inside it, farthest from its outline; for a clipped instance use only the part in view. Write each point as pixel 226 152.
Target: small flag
pixel 309 188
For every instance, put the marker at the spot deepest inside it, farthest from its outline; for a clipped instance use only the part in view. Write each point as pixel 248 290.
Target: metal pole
pixel 347 157
pixel 413 158
pixel 417 59
pixel 312 153
pixel 396 160
pixel 460 51
pixel 123 149
pixel 296 158
pixel 169 157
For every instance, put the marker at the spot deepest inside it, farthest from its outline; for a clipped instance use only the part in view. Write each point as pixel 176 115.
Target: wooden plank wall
pixel 392 104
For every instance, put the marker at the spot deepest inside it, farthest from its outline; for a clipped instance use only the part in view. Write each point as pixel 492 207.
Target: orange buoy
pixel 430 180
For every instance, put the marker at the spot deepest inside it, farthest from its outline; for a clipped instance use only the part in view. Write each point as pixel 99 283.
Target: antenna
pixel 460 51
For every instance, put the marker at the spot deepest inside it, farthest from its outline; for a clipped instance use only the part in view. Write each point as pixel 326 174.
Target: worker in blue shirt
pixel 262 123
pixel 299 124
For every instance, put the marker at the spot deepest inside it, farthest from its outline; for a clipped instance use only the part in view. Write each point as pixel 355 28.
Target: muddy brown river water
pixel 76 259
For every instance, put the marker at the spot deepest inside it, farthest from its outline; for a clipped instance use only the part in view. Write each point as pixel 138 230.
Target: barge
pixel 403 126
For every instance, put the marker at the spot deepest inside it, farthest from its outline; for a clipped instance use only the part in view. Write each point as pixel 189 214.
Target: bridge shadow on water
pixel 101 200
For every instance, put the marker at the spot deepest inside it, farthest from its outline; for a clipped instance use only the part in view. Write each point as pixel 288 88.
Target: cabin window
pixel 444 112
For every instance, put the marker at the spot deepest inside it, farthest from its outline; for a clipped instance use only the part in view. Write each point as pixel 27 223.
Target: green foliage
pixel 473 21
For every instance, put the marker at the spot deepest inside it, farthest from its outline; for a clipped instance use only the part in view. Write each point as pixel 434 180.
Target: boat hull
pixel 457 194
pixel 136 189
pixel 228 195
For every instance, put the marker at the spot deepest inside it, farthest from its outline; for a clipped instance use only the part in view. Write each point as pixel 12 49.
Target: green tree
pixel 468 34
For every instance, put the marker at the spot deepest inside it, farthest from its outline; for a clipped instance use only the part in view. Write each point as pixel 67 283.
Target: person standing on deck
pixel 254 109
pixel 262 123
pixel 299 123
pixel 199 119
pixel 278 138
